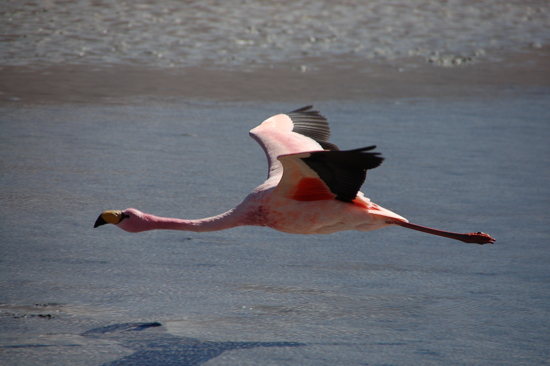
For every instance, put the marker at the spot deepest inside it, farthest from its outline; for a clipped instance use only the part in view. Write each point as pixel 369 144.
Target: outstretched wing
pixel 298 131
pixel 313 125
pixel 323 175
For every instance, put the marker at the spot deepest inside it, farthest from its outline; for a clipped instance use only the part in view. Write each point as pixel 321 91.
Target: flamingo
pixel 312 187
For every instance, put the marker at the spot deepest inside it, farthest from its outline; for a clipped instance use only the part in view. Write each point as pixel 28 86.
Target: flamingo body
pixel 311 188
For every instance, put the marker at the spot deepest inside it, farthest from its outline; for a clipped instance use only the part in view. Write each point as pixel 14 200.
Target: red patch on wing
pixel 312 189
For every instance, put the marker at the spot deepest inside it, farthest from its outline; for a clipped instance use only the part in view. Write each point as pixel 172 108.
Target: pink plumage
pixel 312 188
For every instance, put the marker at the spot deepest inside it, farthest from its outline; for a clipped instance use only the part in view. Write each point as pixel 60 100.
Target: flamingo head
pixel 131 220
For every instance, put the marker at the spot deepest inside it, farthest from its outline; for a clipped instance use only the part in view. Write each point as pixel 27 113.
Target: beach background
pixel 112 104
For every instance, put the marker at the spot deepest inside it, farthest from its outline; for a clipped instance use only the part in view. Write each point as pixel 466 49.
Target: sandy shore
pixel 346 79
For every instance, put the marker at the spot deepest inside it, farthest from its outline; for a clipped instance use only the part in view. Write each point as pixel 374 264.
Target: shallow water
pixel 246 33
pixel 475 159
pixel 247 296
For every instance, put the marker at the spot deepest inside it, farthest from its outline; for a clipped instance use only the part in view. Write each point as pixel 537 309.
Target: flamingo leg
pixel 474 238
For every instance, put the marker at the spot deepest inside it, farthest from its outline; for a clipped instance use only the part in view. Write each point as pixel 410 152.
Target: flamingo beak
pixel 109 217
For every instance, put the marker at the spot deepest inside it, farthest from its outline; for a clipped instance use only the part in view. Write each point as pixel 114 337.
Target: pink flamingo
pixel 312 188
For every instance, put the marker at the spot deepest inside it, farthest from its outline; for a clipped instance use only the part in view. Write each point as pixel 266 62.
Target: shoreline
pixel 306 81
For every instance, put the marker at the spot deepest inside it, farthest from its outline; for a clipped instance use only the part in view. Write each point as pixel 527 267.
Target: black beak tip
pixel 99 222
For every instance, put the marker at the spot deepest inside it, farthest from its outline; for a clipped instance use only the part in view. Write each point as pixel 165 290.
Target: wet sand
pixel 303 82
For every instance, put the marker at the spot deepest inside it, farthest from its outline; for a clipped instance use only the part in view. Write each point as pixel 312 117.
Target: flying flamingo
pixel 312 188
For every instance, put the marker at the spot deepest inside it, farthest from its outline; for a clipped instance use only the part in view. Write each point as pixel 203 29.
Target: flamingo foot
pixel 478 238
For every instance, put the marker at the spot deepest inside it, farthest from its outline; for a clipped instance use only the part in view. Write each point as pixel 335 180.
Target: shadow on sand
pixel 154 347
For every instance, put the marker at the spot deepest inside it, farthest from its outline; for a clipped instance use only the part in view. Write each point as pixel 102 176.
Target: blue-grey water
pixel 246 33
pixel 73 295
pixel 95 115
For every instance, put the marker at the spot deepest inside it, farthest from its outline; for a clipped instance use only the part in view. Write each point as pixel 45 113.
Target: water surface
pixel 109 105
pixel 248 33
pixel 82 296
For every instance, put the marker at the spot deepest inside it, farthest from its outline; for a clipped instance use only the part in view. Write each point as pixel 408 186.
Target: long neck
pixel 223 221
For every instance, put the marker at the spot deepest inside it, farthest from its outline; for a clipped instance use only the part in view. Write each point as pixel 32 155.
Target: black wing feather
pixel 313 125
pixel 344 172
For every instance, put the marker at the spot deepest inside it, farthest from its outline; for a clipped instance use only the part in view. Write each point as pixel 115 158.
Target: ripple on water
pixel 174 33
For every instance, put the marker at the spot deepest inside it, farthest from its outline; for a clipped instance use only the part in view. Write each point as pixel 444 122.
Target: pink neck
pixel 223 221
